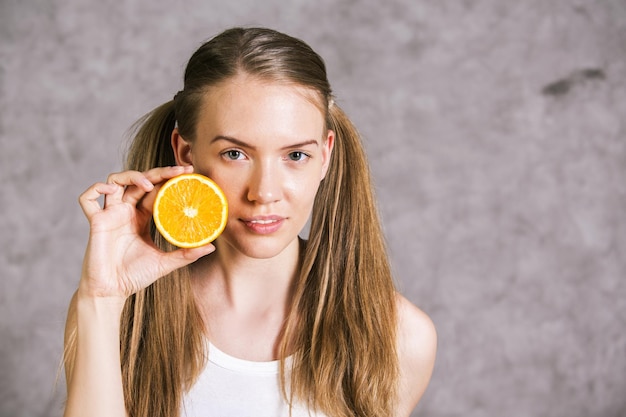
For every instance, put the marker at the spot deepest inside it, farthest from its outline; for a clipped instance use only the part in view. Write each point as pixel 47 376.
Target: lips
pixel 264 225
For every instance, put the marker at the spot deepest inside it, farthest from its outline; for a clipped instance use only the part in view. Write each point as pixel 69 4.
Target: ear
pixel 181 148
pixel 327 151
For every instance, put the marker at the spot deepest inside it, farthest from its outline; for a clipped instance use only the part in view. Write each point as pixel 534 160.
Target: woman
pixel 262 322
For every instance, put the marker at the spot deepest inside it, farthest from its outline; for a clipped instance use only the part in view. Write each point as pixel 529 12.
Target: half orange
pixel 190 210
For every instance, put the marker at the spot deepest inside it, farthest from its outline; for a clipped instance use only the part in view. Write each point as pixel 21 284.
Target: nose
pixel 264 185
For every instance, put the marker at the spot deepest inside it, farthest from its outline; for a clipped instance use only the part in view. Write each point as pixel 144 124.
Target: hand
pixel 121 257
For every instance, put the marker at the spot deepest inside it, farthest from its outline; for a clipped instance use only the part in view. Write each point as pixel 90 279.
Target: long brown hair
pixel 341 329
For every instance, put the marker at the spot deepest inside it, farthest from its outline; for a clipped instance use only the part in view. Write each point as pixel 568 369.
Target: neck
pixel 244 301
pixel 238 282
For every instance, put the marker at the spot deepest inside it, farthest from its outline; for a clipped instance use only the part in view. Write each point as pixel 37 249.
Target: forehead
pixel 248 107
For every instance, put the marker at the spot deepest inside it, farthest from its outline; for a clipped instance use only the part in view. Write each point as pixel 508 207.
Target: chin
pixel 258 248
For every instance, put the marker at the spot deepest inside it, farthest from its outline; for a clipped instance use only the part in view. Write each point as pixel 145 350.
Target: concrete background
pixel 497 136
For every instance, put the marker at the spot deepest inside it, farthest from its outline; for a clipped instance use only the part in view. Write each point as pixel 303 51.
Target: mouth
pixel 264 224
pixel 263 221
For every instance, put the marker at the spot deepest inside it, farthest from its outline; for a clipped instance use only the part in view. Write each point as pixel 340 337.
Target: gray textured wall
pixel 498 144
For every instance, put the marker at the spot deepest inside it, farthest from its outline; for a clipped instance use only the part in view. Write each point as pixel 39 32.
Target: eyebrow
pixel 246 145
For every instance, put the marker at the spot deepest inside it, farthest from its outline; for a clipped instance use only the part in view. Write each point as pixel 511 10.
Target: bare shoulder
pixel 417 347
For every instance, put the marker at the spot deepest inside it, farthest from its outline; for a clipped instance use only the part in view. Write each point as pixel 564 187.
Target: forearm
pixel 95 384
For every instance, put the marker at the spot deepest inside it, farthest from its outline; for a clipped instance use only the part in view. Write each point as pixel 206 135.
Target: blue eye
pixel 298 156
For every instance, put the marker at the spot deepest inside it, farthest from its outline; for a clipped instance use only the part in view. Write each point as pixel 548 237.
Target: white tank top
pixel 232 387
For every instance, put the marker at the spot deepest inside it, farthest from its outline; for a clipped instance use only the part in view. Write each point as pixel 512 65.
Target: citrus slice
pixel 190 210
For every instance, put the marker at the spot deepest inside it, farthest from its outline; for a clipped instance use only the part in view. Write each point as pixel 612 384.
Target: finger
pixel 133 185
pixel 89 199
pixel 115 197
pixel 147 203
pixel 159 175
pixel 134 193
pixel 179 258
pixel 127 178
pixel 156 177
pixel 146 179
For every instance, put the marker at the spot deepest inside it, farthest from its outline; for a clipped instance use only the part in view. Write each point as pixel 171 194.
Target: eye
pixel 233 154
pixel 297 156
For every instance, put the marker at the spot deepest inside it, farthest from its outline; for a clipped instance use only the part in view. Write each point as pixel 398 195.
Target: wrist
pixel 110 304
pixel 90 289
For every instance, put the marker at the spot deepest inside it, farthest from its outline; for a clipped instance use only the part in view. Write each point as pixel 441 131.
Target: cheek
pixel 232 183
pixel 304 189
pixel 207 166
pixel 227 182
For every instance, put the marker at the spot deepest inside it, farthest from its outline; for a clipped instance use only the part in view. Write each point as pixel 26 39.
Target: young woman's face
pixel 266 145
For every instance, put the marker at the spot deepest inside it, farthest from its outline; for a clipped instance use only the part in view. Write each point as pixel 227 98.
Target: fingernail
pixel 147 183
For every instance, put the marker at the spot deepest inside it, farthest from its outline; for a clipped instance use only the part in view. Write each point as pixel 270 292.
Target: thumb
pixel 179 258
